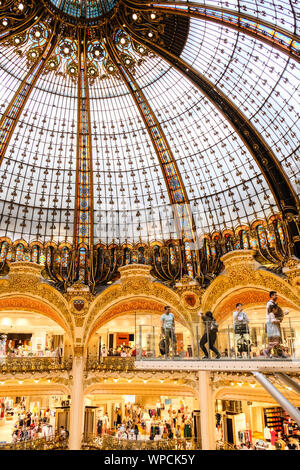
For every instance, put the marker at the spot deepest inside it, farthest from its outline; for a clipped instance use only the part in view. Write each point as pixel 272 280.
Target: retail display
pixel 161 421
pixel 30 345
pixel 25 420
pixel 261 445
pixel 273 418
pixel 290 427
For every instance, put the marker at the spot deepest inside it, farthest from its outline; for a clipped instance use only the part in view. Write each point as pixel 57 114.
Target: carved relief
pixel 79 299
pixel 242 271
pixel 292 271
pixel 25 289
pixel 136 285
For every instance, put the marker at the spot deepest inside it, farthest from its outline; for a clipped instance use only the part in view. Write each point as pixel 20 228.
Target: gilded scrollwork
pixel 243 272
pixel 24 289
pixel 136 283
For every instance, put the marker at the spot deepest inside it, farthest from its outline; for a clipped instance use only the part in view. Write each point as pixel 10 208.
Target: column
pixel 207 415
pixel 77 406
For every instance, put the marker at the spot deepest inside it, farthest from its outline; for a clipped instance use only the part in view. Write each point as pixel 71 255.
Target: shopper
pixel 241 330
pixel 136 430
pixel 210 334
pixel 178 432
pixel 168 330
pixel 62 433
pixel 274 316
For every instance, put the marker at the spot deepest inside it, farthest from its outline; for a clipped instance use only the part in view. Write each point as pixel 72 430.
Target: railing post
pixel 153 342
pixel 207 326
pixel 248 341
pixel 135 333
pixel 292 340
pixel 140 341
pixel 229 343
pixel 263 335
pixel 197 341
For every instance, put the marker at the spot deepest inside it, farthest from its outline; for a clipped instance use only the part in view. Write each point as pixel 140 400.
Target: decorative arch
pixel 136 304
pixel 248 296
pixel 136 288
pixel 27 389
pixel 31 304
pixel 243 274
pixel 137 387
pixel 246 393
pixel 24 290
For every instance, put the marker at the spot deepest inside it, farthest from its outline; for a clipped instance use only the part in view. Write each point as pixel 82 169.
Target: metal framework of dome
pixel 163 133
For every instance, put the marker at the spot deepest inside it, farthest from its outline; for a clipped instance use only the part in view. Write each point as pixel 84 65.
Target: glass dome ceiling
pixel 178 120
pixel 84 8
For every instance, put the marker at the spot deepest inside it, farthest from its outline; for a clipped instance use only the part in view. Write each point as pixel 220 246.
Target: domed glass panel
pixel 85 8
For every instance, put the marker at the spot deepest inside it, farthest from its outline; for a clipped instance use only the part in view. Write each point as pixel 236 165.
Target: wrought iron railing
pixel 110 363
pixel 9 365
pixel 221 445
pixel 107 442
pixel 55 442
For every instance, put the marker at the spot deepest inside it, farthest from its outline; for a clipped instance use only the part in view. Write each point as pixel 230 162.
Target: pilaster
pixel 207 417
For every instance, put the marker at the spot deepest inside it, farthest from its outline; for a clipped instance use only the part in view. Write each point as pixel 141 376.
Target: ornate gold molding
pixel 292 271
pixel 79 299
pixel 242 273
pixel 136 284
pixel 25 289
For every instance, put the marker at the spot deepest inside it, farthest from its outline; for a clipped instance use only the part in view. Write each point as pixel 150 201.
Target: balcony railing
pixel 9 365
pixel 49 443
pixel 110 363
pixel 247 345
pixel 107 442
pixel 251 343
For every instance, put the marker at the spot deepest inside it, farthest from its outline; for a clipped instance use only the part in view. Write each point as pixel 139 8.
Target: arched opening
pixel 135 324
pixel 35 350
pixel 254 302
pixel 30 328
pixel 245 411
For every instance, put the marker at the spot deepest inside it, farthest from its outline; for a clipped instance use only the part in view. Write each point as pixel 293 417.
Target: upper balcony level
pixel 34 365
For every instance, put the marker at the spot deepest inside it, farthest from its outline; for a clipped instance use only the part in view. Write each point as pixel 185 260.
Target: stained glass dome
pixel 167 121
pixel 87 9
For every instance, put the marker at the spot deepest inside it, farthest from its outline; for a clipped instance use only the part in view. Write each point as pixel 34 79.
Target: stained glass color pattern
pixel 130 199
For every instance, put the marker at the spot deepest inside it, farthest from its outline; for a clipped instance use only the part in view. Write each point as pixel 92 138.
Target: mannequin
pixel 267 434
pixel 105 423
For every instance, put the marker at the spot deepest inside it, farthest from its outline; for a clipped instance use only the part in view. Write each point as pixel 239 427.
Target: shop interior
pixel 31 335
pixel 142 417
pixel 290 330
pixel 32 417
pixel 122 334
pixel 258 425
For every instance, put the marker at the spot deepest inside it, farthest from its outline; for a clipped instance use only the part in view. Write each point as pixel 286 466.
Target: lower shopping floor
pixel 158 417
pixel 254 425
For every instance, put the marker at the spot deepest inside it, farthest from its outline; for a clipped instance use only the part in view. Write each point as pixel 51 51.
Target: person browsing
pixel 168 330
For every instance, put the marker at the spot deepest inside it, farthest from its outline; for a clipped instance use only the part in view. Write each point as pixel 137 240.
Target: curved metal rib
pixel 265 31
pixel 20 26
pixel 13 112
pixel 84 204
pixel 283 192
pixel 175 186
